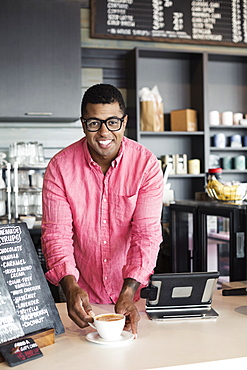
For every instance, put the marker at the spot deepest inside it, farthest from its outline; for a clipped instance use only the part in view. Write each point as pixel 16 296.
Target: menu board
pixel 26 303
pixel 222 22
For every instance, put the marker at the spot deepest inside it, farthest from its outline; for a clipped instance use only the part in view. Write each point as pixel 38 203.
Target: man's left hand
pixel 125 305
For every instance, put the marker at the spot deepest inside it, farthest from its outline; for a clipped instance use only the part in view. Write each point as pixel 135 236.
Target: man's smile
pixel 104 143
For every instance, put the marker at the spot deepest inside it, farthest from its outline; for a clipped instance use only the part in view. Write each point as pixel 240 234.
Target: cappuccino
pixel 110 317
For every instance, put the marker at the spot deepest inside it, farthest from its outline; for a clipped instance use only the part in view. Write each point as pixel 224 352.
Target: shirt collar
pixel 90 160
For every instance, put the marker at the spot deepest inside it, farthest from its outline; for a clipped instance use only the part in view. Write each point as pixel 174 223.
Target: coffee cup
pixel 237 118
pixel 239 163
pixel 29 220
pixel 227 118
pixel 109 325
pixel 214 118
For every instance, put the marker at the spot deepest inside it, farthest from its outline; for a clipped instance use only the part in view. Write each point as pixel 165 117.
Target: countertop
pixel 159 344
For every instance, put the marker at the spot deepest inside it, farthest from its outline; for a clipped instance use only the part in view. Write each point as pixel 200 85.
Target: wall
pixel 102 61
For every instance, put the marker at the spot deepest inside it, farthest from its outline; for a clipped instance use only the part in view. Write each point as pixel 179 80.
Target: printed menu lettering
pixel 196 21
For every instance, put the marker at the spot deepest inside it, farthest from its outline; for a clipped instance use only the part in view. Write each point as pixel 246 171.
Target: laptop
pixel 180 295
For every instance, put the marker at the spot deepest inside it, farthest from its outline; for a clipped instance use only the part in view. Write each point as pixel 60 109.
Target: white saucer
pixel 124 338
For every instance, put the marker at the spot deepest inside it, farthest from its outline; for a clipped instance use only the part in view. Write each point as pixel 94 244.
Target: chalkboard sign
pixel 222 22
pixel 26 303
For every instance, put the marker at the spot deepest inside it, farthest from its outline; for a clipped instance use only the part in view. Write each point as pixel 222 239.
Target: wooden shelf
pixel 186 175
pixel 172 133
pixel 228 149
pixel 223 127
pixel 234 171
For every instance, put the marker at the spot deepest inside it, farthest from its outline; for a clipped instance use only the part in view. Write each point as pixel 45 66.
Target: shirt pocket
pixel 124 208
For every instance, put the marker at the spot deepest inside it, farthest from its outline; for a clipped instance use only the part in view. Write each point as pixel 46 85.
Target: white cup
pixel 243 122
pixel 214 118
pixel 227 118
pixel 237 117
pixel 29 220
pixel 109 325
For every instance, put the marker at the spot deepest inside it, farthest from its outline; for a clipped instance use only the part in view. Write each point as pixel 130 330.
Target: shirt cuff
pixel 55 275
pixel 140 274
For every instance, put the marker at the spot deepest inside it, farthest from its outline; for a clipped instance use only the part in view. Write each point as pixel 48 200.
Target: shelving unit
pixel 226 80
pixel 231 174
pixel 24 194
pixel 30 191
pixel 179 77
pixel 195 80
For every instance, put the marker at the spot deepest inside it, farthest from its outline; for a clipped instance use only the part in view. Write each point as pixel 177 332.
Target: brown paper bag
pixel 152 116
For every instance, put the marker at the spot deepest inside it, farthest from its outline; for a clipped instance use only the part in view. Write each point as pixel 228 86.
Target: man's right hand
pixel 78 305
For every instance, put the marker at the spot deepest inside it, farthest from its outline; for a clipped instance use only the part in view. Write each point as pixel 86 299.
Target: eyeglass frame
pixel 83 120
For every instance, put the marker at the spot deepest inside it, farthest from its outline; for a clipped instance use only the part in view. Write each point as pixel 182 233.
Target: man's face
pixel 104 144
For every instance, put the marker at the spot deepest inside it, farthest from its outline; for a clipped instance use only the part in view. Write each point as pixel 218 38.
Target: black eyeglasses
pixel 95 124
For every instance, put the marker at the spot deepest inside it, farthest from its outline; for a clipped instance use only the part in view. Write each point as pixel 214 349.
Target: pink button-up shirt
pixel 102 228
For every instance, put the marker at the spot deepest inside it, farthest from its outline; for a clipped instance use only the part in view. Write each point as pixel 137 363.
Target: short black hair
pixel 102 94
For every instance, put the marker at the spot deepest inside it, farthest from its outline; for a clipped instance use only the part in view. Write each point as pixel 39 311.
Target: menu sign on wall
pixel 222 22
pixel 26 303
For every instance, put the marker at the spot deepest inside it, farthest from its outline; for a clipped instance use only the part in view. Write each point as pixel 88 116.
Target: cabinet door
pixel 40 60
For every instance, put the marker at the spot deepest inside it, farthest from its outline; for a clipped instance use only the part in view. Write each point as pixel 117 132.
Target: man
pixel 102 199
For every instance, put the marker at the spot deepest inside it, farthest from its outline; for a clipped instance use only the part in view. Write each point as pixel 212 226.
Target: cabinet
pixel 190 247
pixel 186 79
pixel 40 60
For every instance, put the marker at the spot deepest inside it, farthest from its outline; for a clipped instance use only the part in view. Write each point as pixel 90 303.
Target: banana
pixel 219 191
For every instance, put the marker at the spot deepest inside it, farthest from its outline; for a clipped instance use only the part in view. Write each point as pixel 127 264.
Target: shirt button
pixel 104 242
pixel 104 200
pixel 105 278
pixel 105 260
pixel 104 221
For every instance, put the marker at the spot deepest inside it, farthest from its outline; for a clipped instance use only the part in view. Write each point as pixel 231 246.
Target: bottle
pixel 217 172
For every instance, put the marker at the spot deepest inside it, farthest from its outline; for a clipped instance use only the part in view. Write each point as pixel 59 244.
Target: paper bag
pixel 151 108
pixel 152 116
